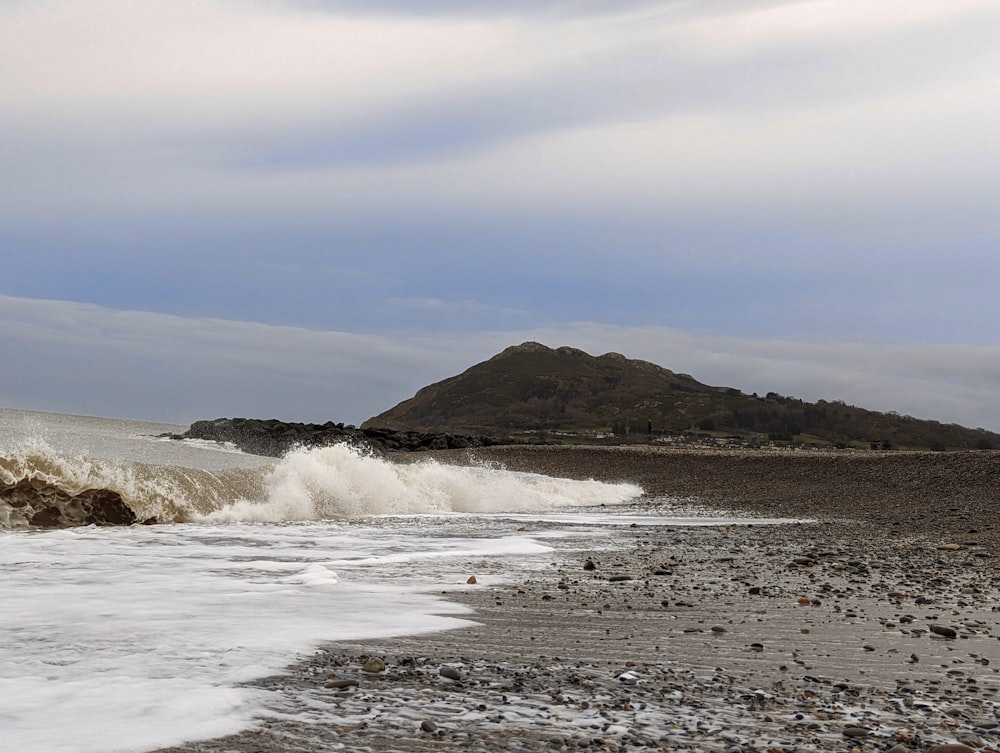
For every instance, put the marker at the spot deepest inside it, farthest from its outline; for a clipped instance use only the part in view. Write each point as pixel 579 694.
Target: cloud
pixel 462 308
pixel 759 112
pixel 442 179
pixel 500 8
pixel 84 358
pixel 350 273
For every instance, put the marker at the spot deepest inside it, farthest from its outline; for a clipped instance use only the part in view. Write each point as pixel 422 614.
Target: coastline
pixel 903 492
pixel 872 628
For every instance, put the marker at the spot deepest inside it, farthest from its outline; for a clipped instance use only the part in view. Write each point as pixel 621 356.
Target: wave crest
pixel 41 489
pixel 343 482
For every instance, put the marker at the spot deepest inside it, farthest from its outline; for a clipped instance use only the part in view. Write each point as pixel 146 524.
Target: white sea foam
pixel 119 640
pixel 341 482
pixel 108 637
pixel 159 492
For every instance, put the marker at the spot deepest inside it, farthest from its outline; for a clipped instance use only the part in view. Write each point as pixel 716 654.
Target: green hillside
pixel 530 391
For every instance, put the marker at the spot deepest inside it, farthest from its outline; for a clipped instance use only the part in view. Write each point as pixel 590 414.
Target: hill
pixel 533 392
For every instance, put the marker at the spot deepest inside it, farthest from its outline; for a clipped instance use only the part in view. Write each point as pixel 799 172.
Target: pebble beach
pixel 868 623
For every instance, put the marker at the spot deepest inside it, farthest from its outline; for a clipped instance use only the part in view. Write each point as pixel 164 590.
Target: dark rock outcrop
pixel 38 504
pixel 275 438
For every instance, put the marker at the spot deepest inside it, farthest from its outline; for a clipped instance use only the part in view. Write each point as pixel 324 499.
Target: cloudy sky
pixel 309 209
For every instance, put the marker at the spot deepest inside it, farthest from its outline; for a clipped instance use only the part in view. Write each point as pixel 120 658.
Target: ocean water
pixel 111 635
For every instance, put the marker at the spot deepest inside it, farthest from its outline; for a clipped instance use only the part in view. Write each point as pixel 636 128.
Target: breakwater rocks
pixel 275 438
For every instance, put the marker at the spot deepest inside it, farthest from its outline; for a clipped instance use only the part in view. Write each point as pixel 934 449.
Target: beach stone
pixel 589 565
pixel 450 673
pixel 341 683
pixel 374 665
pixel 967 738
pixel 428 726
pixel 619 578
pixel 944 632
pixel 472 580
pixel 950 748
pixel 854 731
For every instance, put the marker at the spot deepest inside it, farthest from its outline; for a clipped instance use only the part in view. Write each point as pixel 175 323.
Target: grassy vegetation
pixel 534 393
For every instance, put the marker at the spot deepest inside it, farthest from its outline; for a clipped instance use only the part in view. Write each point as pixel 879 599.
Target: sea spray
pixel 344 482
pixel 44 488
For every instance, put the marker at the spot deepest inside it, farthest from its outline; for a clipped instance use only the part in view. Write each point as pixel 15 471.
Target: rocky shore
pixel 871 626
pixel 900 493
pixel 274 438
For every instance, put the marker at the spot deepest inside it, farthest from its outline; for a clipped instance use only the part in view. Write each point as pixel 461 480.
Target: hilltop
pixel 533 392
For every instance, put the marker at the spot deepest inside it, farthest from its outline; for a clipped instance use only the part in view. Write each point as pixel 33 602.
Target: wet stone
pixel 944 632
pixel 341 683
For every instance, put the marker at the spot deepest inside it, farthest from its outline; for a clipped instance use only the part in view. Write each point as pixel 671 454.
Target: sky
pixel 310 209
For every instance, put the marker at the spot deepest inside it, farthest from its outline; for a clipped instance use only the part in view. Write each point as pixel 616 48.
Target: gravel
pixel 870 627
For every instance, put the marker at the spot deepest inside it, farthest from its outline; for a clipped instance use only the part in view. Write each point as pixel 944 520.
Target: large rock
pixel 36 504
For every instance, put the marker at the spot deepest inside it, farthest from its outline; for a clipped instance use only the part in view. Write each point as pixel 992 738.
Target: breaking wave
pixel 39 488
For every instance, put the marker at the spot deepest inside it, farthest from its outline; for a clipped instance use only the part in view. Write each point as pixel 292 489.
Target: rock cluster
pixel 275 438
pixel 34 503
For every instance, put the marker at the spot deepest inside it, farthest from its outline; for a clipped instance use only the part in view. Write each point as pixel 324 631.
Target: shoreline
pixel 905 492
pixel 827 635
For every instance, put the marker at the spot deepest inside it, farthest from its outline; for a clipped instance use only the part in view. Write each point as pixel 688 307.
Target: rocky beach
pixel 867 621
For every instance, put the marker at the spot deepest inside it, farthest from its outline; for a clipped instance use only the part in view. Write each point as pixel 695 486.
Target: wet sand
pixel 871 628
